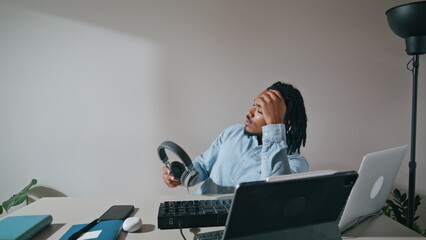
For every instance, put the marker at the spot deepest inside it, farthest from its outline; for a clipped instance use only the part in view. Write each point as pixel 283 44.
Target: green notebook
pixel 23 227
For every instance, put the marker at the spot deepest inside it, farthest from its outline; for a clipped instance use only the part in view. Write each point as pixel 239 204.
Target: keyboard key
pixel 213 235
pixel 197 213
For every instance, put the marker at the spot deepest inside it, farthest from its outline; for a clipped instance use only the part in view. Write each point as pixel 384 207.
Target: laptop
pixel 306 208
pixel 376 178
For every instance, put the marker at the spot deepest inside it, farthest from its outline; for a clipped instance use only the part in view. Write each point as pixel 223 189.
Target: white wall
pixel 89 89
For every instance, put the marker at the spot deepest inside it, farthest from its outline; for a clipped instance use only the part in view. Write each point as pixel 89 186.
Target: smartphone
pixel 117 212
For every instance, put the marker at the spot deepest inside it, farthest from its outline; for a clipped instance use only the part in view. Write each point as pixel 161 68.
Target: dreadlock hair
pixel 295 116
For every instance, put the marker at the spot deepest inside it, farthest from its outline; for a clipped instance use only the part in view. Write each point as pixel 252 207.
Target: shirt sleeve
pixel 275 160
pixel 203 164
pixel 298 163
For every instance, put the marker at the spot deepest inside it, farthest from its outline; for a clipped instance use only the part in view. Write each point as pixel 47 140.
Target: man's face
pixel 255 119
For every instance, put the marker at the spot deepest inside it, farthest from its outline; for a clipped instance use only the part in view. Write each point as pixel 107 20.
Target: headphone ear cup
pixel 177 169
pixel 189 177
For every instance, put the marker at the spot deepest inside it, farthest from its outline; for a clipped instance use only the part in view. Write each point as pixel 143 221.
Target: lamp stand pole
pixel 408 21
pixel 412 165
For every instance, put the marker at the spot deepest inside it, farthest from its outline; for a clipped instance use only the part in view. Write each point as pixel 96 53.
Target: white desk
pixel 72 210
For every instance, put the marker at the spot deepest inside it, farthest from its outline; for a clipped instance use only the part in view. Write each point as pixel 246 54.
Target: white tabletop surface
pixel 67 211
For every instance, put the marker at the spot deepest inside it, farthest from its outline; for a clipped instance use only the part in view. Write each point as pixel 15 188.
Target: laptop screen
pixel 376 177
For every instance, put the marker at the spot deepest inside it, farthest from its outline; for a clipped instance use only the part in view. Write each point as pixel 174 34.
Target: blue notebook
pixel 105 230
pixel 23 227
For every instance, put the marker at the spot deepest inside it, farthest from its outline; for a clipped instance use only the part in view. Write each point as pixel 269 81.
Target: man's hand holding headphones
pixel 177 173
pixel 168 179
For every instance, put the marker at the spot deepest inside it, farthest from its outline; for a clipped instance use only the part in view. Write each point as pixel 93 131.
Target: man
pixel 267 145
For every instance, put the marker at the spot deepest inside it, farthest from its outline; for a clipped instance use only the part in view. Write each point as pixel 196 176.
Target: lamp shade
pixel 408 21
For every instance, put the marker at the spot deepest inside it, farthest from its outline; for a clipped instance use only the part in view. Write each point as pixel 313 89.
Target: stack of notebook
pixel 23 227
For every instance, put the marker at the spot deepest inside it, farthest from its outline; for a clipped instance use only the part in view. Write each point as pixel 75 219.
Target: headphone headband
pixel 176 149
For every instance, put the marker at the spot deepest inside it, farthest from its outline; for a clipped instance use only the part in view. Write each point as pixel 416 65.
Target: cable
pixel 360 219
pixel 408 67
pixel 180 229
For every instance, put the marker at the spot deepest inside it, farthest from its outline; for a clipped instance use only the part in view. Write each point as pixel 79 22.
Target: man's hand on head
pixel 272 105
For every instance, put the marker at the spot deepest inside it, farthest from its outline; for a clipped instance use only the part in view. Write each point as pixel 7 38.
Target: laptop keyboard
pixel 193 213
pixel 213 235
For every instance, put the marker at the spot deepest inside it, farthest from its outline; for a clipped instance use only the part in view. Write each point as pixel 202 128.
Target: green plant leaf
pixel 397 212
pixel 396 193
pixel 32 183
pixel 417 202
pixel 19 197
pixel 418 198
pixel 416 228
pixel 386 210
pixel 403 197
pixel 14 201
pixel 405 204
pixel 1 209
pixel 397 198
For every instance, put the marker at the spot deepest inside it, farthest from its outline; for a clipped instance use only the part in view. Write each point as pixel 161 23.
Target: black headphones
pixel 183 173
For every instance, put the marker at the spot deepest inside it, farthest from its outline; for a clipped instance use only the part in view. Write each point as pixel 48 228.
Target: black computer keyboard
pixel 213 235
pixel 196 213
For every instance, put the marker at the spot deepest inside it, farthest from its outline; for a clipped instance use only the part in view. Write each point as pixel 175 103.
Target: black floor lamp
pixel 409 22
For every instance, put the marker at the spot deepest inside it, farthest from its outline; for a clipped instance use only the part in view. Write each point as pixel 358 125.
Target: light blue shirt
pixel 235 157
